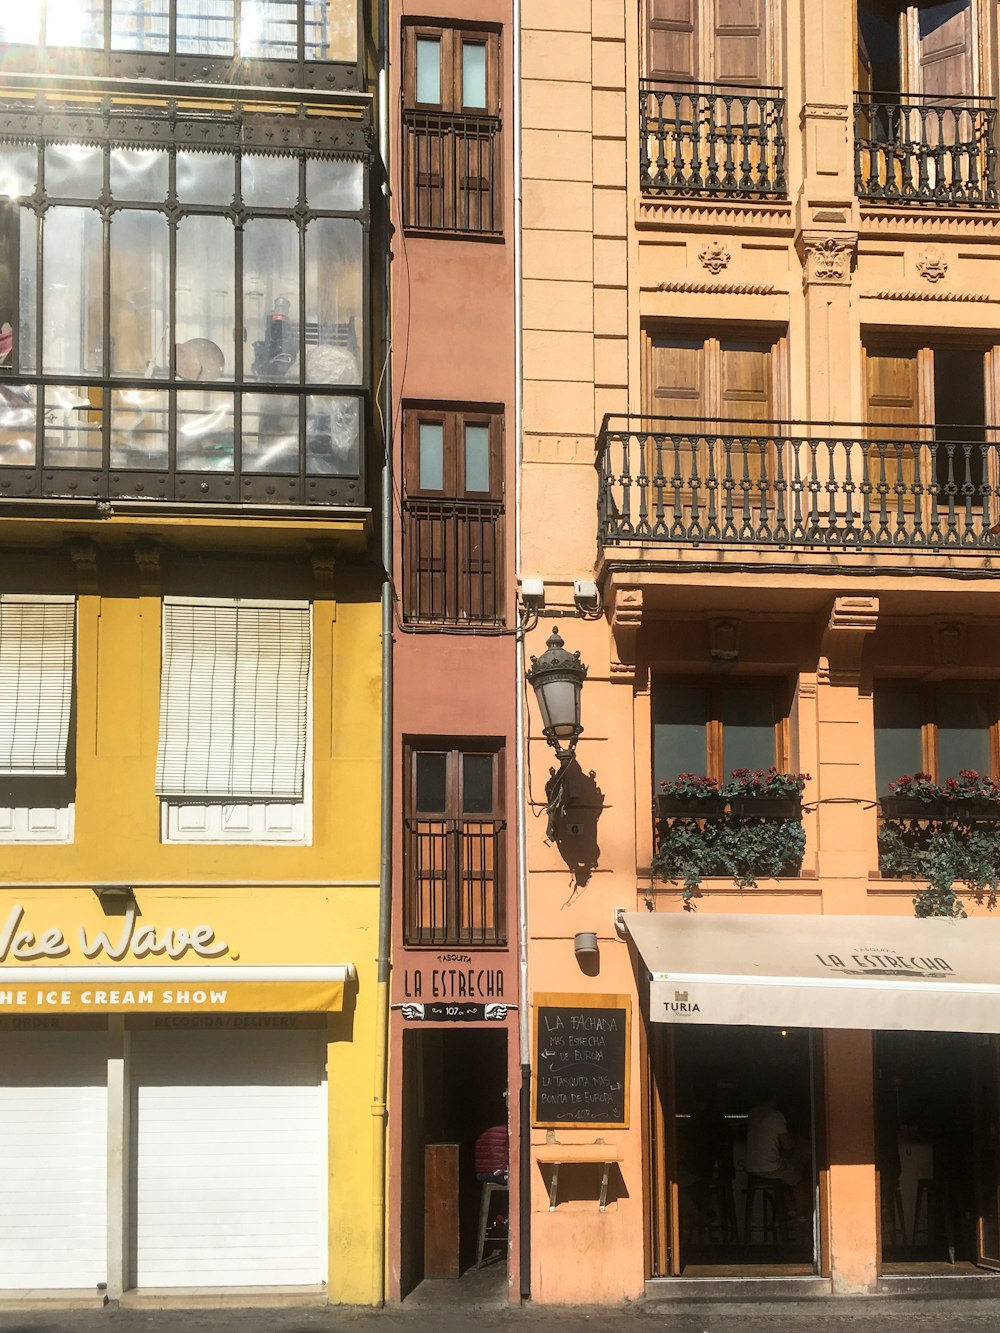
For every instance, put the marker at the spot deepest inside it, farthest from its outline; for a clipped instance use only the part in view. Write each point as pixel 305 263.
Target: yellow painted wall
pixel 272 904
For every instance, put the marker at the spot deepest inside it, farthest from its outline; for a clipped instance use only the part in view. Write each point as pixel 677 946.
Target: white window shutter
pixel 233 701
pixel 36 684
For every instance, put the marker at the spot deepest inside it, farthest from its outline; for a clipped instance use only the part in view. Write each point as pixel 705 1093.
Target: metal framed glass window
pixel 180 324
pixel 203 40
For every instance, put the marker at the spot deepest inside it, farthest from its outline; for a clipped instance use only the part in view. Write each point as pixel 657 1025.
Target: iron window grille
pixel 454 848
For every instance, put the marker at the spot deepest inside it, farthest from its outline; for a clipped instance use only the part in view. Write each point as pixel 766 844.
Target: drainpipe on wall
pixel 385 850
pixel 524 1026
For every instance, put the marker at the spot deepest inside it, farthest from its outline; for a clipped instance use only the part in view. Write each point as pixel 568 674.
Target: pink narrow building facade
pixel 454 1058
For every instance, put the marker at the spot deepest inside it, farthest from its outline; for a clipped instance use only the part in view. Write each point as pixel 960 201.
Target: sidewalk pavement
pixel 843 1315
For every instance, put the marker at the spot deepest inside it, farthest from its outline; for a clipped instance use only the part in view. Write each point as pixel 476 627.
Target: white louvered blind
pixel 36 684
pixel 233 701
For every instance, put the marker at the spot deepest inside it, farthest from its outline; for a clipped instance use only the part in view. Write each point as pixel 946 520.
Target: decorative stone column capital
pixel 827 257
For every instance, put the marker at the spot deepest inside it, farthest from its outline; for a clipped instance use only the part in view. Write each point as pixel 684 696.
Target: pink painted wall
pixel 453 342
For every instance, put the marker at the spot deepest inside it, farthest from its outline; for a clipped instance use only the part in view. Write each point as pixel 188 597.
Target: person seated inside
pixel 772 1153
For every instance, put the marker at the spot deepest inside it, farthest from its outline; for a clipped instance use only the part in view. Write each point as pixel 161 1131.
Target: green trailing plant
pixel 944 852
pixel 740 849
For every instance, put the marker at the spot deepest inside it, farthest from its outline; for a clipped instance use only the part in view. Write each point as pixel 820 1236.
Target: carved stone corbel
pixel 626 620
pixel 147 557
pixel 724 638
pixel 83 553
pixel 949 645
pixel 852 619
pixel 324 566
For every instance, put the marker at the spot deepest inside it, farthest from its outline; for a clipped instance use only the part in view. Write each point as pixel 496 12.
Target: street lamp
pixel 557 678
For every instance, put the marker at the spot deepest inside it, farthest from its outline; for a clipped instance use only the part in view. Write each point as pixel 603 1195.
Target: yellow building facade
pixel 191 656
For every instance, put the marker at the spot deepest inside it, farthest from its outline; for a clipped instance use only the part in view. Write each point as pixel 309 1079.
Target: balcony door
pixel 918 50
pixel 715 463
pixel 708 41
pixel 931 459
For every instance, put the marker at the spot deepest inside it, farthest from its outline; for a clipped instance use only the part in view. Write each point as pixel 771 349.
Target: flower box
pixel 690 807
pixel 969 810
pixel 766 807
pixel 908 807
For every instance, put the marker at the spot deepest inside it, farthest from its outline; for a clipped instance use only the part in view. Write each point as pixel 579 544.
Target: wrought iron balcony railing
pixel 453 562
pixel 925 150
pixel 452 172
pixel 454 873
pixel 796 485
pixel 712 140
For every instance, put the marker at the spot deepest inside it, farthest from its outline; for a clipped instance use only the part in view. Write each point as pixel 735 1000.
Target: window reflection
pixel 333 301
pixel 140 25
pixel 205 27
pixel 271 298
pixel 18 171
pixel 270 433
pixel 21 22
pixel 139 175
pixel 140 295
pixel 268 29
pixel 74 22
pixel 206 297
pixel 269 182
pixel 72 329
pixel 74 171
pixel 71 431
pixel 333 436
pixel 17 424
pixel 206 178
pixel 139 428
pixel 205 431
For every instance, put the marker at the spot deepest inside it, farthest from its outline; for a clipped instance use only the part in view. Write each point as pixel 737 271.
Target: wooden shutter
pixel 233 701
pixel 745 378
pixel 740 48
pixel 672 40
pixel 36 684
pixel 892 385
pixel 944 36
pixel 678 382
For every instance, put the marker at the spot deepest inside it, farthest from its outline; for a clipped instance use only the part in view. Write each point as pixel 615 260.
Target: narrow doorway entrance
pixel 735 1152
pixel 937 1151
pixel 455 1156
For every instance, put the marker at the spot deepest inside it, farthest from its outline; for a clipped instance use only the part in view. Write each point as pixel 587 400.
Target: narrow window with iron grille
pixel 454 845
pixel 451 159
pixel 453 547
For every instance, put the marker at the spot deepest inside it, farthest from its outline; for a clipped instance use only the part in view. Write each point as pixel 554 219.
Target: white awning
pixel 872 972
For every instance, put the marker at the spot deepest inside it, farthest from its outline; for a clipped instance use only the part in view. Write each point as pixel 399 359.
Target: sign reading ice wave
pixel 24 946
pixel 581 1060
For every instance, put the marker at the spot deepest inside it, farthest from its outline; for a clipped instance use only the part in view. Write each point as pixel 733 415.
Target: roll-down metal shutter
pixel 53 1159
pixel 230 1158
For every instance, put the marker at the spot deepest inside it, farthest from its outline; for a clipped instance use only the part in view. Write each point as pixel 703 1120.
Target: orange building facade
pixel 760 490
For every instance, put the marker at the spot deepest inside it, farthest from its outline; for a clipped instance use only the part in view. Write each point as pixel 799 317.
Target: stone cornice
pixel 892 294
pixel 718 288
pixel 722 215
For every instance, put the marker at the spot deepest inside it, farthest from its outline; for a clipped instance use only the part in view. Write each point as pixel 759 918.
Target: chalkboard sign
pixel 581 1060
